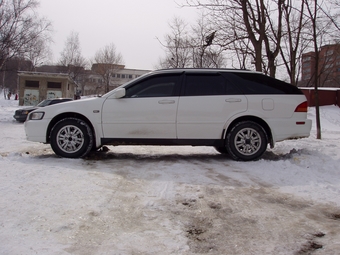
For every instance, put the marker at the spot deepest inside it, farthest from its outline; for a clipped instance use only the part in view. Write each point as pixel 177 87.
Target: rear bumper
pixel 292 129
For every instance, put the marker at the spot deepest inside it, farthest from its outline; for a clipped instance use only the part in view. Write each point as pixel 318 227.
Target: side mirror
pixel 119 93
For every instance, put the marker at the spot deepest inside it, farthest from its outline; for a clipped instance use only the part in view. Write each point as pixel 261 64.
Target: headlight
pixel 36 116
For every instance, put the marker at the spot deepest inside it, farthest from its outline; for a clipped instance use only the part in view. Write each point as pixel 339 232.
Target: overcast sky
pixel 132 25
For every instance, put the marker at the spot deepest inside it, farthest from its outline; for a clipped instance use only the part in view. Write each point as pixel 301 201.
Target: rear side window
pixel 207 85
pixel 254 83
pixel 155 86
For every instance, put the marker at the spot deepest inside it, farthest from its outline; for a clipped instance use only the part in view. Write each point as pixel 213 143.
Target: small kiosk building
pixel 34 87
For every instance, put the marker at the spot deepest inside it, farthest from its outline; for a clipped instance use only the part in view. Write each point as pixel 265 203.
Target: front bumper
pixel 20 118
pixel 36 130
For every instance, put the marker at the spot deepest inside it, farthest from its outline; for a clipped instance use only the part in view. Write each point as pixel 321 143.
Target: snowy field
pixel 170 200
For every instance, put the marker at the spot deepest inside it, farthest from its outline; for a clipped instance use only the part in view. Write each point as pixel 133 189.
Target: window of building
pixel 329 52
pixel 54 85
pixel 306 77
pixel 305 59
pixel 329 59
pixel 32 84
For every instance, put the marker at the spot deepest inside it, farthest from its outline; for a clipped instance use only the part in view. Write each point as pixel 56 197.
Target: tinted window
pixel 207 85
pixel 58 101
pixel 54 85
pixel 254 83
pixel 155 86
pixel 32 84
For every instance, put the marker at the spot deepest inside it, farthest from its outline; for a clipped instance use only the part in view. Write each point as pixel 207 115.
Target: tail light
pixel 302 107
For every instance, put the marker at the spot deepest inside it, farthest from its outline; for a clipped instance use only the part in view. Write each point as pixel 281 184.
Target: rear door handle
pixel 166 101
pixel 233 100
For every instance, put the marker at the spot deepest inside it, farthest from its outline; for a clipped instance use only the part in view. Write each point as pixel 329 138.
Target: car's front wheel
pixel 71 138
pixel 246 141
pixel 221 149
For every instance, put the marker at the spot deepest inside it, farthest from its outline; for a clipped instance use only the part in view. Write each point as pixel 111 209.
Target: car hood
pixel 32 108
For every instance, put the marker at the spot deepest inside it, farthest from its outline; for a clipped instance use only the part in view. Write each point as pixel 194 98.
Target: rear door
pixel 207 101
pixel 147 111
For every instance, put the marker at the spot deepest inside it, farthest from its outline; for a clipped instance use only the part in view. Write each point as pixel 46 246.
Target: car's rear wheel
pixel 246 141
pixel 71 138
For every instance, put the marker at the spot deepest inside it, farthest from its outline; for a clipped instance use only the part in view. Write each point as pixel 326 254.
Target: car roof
pixel 204 70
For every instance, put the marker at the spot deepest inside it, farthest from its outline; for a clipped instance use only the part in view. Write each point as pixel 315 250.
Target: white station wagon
pixel 236 111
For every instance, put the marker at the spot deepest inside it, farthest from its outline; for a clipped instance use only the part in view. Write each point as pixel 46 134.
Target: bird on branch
pixel 209 39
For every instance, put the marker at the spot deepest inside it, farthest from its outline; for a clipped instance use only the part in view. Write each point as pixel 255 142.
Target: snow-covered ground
pixel 170 200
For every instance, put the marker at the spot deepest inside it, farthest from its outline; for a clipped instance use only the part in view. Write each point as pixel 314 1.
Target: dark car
pixel 21 114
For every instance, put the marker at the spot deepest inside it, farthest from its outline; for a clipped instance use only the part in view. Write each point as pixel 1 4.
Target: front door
pixel 148 110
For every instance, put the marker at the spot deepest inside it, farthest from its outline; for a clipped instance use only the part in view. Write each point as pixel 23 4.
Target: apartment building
pixel 329 67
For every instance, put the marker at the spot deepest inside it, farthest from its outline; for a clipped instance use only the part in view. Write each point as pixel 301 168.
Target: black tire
pixel 71 138
pixel 246 141
pixel 222 150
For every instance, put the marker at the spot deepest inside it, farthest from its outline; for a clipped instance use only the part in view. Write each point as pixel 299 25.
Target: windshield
pixel 44 103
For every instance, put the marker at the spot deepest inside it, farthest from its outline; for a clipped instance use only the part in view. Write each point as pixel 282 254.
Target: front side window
pixel 156 86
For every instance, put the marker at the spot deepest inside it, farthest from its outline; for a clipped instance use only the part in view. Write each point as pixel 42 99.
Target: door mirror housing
pixel 119 93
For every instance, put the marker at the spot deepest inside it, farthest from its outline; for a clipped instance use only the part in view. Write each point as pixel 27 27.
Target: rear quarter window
pixel 201 84
pixel 255 83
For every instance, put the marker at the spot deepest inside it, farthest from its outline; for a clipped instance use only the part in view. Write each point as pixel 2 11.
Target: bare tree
pixel 71 56
pixel 191 47
pixel 39 53
pixel 312 10
pixel 205 53
pixel 295 40
pixel 321 22
pixel 177 46
pixel 20 28
pixel 258 24
pixel 108 62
